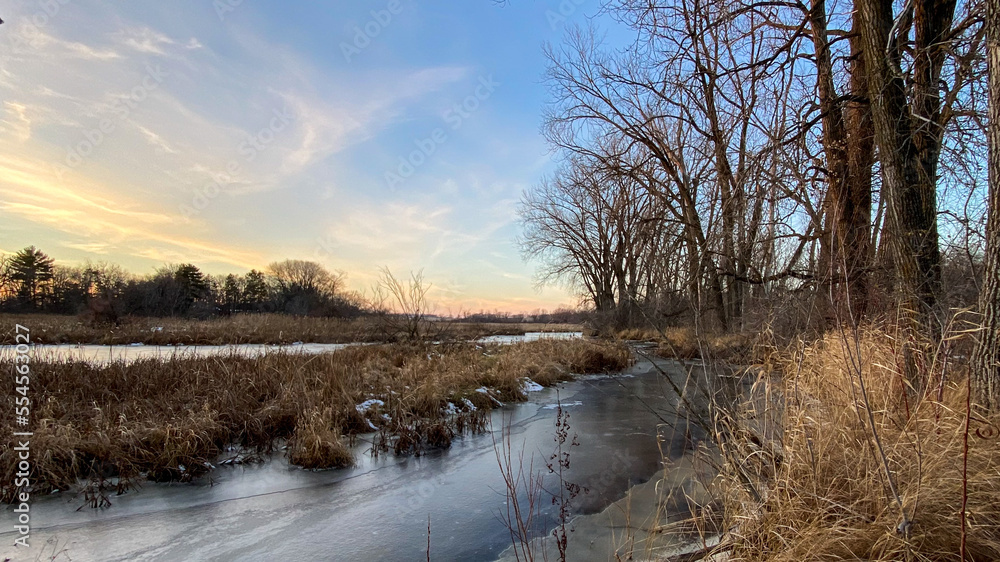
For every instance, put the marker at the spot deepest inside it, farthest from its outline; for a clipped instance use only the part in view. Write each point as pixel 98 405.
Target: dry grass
pixel 825 491
pixel 315 444
pixel 683 343
pixel 168 419
pixel 244 328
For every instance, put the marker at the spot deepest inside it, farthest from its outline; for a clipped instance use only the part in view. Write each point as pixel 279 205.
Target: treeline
pixel 31 281
pixel 743 163
pixel 558 316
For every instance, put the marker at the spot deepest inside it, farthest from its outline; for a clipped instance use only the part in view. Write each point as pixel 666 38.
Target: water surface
pixel 378 510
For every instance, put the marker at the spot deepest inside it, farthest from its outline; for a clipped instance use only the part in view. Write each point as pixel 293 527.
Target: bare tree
pixel 402 303
pixel 911 106
pixel 598 231
pixel 986 360
pixel 766 132
pixel 297 276
pixel 6 283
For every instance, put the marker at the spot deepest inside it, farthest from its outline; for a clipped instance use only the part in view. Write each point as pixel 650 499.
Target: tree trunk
pixel 908 134
pixel 847 143
pixel 908 154
pixel 986 359
pixel 857 212
pixel 835 148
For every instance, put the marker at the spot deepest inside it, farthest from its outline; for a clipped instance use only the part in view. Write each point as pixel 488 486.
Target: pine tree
pixel 31 271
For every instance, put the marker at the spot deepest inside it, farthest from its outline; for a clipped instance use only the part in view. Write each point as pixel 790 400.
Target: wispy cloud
pixel 315 181
pixel 143 40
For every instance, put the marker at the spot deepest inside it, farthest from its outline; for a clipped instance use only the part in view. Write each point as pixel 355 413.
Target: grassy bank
pixel 243 328
pixel 684 343
pixel 841 459
pixel 167 420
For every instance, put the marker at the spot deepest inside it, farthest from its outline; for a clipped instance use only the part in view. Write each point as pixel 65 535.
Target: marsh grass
pixel 168 420
pixel 246 328
pixel 684 343
pixel 833 456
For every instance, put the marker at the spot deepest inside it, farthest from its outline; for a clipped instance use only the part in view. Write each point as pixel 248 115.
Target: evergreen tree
pixel 31 271
pixel 254 290
pixel 192 283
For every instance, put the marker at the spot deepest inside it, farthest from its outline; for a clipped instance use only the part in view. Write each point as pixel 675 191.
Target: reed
pixel 835 456
pixel 171 419
pixel 247 328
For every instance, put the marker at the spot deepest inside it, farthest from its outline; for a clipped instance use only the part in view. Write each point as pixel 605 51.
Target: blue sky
pixel 231 134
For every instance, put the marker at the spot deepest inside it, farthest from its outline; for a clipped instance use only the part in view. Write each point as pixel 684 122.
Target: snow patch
pixel 491 393
pixel 564 405
pixel 368 404
pixel 528 385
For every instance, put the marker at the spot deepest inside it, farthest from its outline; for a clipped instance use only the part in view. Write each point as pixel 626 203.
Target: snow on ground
pixel 491 393
pixel 528 385
pixel 368 404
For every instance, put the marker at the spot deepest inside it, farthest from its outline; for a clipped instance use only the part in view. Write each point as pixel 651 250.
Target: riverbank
pixel 836 455
pixel 827 452
pixel 379 508
pixel 168 420
pixel 272 329
pixel 683 343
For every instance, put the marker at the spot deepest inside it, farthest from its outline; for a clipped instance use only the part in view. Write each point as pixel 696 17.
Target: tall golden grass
pixel 843 461
pixel 168 419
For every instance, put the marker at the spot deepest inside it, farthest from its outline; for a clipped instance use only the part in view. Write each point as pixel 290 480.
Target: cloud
pixel 143 40
pixel 15 121
pixel 223 86
pixel 52 48
pixel 156 140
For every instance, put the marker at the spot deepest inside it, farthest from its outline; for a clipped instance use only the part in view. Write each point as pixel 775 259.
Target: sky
pixel 234 133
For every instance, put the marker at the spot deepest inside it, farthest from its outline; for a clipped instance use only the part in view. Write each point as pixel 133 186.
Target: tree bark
pixel 908 133
pixel 847 144
pixel 908 136
pixel 986 358
pixel 857 210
